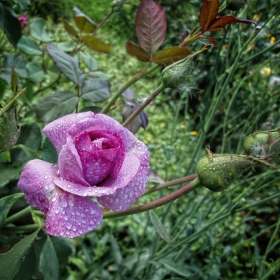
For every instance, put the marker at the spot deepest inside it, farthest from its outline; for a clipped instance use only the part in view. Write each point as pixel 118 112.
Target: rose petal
pixel 124 197
pixel 36 181
pixel 57 130
pixel 70 166
pixel 70 215
pixel 102 157
pixel 128 171
pixel 131 143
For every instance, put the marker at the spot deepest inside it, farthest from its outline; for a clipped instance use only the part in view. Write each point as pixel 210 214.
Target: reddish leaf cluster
pixel 209 20
pixel 150 24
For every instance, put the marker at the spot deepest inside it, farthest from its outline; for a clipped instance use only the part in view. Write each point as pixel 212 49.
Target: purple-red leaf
pixel 212 41
pixel 70 29
pixel 220 22
pixel 83 22
pixel 136 51
pixel 96 44
pixel 170 55
pixel 208 12
pixel 150 24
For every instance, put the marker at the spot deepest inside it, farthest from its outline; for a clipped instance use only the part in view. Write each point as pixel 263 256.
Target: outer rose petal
pixel 36 181
pixel 71 215
pixel 124 197
pixel 69 165
pixel 57 130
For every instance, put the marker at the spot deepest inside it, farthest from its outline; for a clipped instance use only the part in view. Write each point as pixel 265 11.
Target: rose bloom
pixel 23 20
pixel 97 157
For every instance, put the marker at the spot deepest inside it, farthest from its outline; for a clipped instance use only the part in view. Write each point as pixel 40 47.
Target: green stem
pixel 48 86
pixel 171 183
pixel 11 103
pixel 156 203
pixel 133 80
pixel 21 214
pixel 145 104
pixel 22 228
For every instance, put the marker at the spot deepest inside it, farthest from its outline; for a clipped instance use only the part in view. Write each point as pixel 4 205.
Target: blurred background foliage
pixel 234 91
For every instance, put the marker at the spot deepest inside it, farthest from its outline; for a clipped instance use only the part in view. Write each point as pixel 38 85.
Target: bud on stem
pixel 263 143
pixel 218 171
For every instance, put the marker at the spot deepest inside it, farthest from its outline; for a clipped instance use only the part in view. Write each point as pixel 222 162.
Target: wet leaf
pixel 49 265
pixel 96 44
pixel 170 55
pixel 5 205
pixel 136 51
pixel 150 24
pixel 208 12
pixel 83 22
pixel 11 261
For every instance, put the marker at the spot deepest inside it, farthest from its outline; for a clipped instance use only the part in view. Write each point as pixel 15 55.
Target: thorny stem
pixel 156 203
pixel 145 104
pixel 127 85
pixel 171 183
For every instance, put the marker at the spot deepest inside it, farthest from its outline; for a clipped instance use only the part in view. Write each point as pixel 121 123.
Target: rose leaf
pixel 170 55
pixel 10 262
pixel 90 62
pixel 56 105
pixel 95 90
pixel 150 24
pixel 83 22
pixel 67 64
pixel 220 22
pixel 69 28
pixel 96 44
pixel 208 12
pixel 134 50
pixel 29 46
pixel 38 32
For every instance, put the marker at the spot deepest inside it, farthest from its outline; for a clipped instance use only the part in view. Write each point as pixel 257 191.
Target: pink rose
pixel 97 157
pixel 23 20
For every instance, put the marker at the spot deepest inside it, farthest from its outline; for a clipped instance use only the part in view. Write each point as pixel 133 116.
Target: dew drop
pixel 64 204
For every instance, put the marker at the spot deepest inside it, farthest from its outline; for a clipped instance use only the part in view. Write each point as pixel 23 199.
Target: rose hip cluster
pixel 97 157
